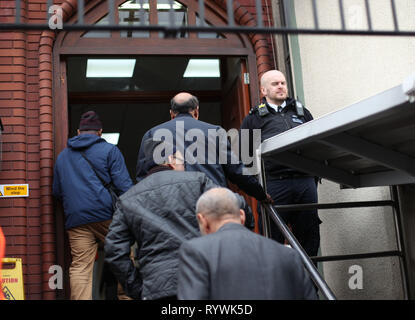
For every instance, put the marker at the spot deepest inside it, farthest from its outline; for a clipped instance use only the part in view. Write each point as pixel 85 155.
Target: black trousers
pixel 304 224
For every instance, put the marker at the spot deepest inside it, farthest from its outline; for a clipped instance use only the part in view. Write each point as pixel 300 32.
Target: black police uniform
pixel 284 184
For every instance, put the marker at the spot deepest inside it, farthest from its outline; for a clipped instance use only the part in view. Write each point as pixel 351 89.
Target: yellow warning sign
pixel 12 279
pixel 14 190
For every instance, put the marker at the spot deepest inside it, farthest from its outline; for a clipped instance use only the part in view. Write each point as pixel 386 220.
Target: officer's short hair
pixel 184 107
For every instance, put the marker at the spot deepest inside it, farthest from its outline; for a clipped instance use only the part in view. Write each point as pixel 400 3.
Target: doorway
pixel 223 101
pixel 139 100
pixel 131 105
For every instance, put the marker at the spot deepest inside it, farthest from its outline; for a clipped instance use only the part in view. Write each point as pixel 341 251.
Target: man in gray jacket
pixel 230 262
pixel 159 214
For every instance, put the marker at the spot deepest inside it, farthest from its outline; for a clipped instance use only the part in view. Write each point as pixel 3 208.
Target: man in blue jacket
pixel 86 202
pixel 205 147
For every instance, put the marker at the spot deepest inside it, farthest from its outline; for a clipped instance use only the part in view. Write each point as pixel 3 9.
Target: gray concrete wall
pixel 359 230
pixel 337 71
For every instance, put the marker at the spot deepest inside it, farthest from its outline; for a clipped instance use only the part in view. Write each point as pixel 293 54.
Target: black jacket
pixel 159 214
pixel 272 123
pixel 211 161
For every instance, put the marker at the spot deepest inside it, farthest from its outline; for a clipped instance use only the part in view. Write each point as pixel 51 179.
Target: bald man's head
pixel 274 87
pixel 217 207
pixel 218 202
pixel 267 76
pixel 183 102
pixel 182 97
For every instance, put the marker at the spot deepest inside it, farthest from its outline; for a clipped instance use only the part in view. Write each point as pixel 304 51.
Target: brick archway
pixel 259 41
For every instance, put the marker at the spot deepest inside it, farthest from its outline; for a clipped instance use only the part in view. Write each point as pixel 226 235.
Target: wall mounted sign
pixel 14 190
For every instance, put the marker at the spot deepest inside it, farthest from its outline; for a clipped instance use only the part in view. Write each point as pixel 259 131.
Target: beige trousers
pixel 83 241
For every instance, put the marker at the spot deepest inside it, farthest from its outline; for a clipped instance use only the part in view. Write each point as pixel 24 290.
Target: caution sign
pixel 14 190
pixel 12 279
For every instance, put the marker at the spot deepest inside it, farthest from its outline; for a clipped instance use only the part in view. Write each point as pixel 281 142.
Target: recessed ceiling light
pixel 202 68
pixel 110 68
pixel 130 5
pixel 111 137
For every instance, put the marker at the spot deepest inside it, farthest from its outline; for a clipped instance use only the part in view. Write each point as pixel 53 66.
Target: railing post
pixel 261 178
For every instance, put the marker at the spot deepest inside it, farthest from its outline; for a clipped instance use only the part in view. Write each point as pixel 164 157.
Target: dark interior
pixel 158 79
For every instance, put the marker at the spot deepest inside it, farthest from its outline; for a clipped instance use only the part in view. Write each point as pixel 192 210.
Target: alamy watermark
pixel 56 18
pixel 56 280
pixel 217 147
pixel 356 280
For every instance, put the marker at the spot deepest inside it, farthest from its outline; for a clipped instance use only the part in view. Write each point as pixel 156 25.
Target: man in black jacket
pixel 230 263
pixel 278 113
pixel 157 213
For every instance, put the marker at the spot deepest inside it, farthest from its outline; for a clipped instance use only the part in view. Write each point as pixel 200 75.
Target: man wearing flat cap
pixel 87 203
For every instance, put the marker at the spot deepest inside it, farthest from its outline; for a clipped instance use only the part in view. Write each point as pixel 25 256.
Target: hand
pixel 268 200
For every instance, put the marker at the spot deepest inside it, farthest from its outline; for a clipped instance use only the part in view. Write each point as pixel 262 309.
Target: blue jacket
pixel 209 163
pixel 85 199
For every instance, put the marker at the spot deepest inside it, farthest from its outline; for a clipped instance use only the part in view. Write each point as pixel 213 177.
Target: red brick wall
pixel 21 218
pixel 267 20
pixel 19 110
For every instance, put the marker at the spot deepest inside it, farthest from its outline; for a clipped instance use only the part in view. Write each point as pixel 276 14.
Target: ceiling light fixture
pixel 111 137
pixel 202 68
pixel 110 68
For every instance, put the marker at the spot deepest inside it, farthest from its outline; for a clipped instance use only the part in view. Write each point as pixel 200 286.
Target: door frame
pixel 247 48
pixel 70 43
pixel 61 131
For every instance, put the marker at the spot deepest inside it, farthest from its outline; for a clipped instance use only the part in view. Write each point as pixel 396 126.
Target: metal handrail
pixel 341 205
pixel 379 203
pixel 400 240
pixel 312 270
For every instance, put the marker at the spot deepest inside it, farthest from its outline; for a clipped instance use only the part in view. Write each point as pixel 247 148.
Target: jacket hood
pixel 83 141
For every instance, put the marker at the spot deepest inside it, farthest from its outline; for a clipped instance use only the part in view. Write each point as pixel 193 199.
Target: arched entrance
pixel 119 44
pixel 229 95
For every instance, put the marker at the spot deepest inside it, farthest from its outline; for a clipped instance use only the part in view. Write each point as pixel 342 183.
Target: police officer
pixel 276 114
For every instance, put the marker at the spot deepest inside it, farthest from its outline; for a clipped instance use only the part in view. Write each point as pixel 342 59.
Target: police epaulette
pixel 299 108
pixel 262 109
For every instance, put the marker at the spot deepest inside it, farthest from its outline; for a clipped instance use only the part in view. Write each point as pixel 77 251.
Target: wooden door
pixel 235 106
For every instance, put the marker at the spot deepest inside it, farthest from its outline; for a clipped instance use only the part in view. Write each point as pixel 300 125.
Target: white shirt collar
pixel 275 107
